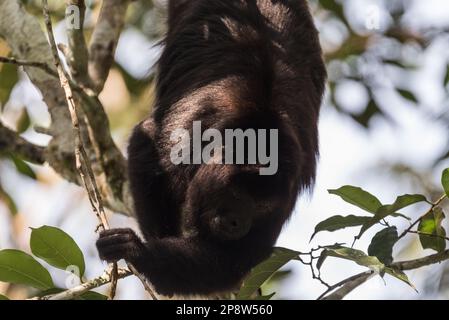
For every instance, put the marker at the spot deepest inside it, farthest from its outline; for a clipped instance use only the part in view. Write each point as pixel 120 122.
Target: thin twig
pixel 422 262
pixel 78 291
pixel 84 92
pixel 434 205
pixel 429 235
pixel 347 286
pixel 82 160
pixel 114 280
pixel 41 65
pixel 143 280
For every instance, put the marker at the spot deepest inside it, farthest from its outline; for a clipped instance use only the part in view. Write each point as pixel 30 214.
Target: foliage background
pixel 384 127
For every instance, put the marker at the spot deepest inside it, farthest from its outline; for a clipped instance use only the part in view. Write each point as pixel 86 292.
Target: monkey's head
pixel 229 202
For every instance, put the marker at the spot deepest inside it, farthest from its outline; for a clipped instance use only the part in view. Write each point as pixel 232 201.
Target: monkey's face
pixel 244 204
pixel 226 203
pixel 231 217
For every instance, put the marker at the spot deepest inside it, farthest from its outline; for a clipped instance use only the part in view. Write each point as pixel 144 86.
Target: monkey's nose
pixel 230 227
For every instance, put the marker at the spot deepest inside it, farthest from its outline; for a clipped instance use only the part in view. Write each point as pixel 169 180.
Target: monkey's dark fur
pixel 231 64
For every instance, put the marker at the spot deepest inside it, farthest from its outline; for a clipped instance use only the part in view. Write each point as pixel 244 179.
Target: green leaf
pixel 48 292
pixel 445 181
pixel 400 215
pixel 22 167
pixel 358 197
pixel 90 295
pixel 2 297
pixel 24 122
pixel 431 232
pixel 20 268
pixel 390 210
pixel 264 271
pixel 265 298
pixel 339 222
pixel 358 257
pixel 8 201
pixel 382 245
pixel 57 248
pixel 279 276
pixel 323 256
pixel 9 76
pixel 410 96
pixel 398 274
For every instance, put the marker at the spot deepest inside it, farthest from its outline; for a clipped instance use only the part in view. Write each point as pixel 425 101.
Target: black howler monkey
pixel 230 64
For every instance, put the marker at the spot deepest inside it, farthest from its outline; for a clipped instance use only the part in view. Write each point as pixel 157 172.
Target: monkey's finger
pixel 117 252
pixel 109 232
pixel 114 240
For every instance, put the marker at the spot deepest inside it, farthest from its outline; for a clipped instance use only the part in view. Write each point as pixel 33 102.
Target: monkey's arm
pixel 178 265
pixel 149 186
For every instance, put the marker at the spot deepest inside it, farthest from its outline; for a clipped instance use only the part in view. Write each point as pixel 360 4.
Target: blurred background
pixel 384 127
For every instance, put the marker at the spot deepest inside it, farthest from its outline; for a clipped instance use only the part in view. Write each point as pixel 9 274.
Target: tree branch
pixel 429 235
pixel 108 158
pixel 78 291
pixel 43 66
pixel 10 141
pixel 347 286
pixel 423 262
pixel 82 160
pixel 104 40
pixel 29 45
pixel 77 55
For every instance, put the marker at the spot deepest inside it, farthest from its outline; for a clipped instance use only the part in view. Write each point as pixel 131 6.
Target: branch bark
pixel 78 291
pixel 347 286
pixel 104 40
pixel 39 65
pixel 423 262
pixel 78 55
pixel 10 141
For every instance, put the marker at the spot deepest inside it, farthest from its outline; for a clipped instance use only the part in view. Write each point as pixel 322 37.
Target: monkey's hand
pixel 116 244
